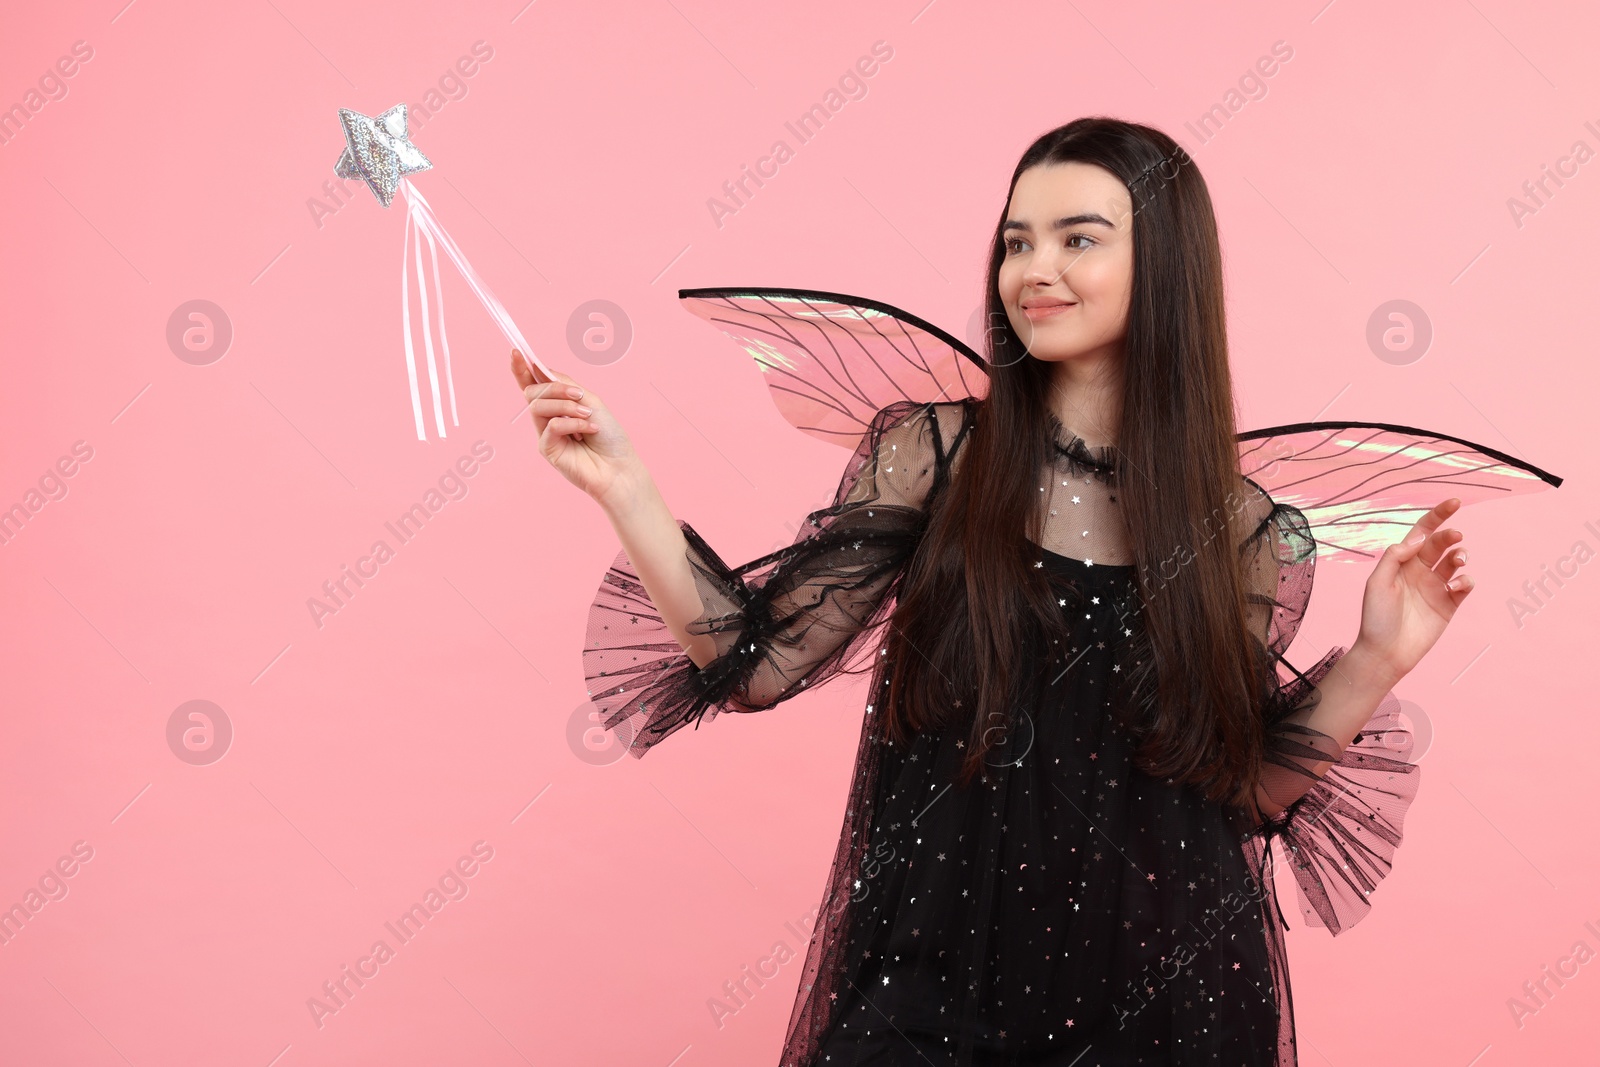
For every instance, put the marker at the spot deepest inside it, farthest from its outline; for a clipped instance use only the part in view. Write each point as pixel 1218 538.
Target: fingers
pixel 522 369
pixel 1433 517
pixel 1425 539
pixel 555 405
pixel 566 424
pixel 1435 548
pixel 549 407
pixel 1459 585
pixel 1449 569
pixel 558 390
pixel 1440 545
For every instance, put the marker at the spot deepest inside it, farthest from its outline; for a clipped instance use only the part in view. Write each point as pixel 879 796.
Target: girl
pixel 1076 743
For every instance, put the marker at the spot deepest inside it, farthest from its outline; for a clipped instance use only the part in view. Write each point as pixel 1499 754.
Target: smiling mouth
pixel 1044 311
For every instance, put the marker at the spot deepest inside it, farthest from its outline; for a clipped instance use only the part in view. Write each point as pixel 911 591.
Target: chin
pixel 1051 349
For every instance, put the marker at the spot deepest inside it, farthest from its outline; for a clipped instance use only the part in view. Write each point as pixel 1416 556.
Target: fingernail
pixel 574 392
pixel 586 411
pixel 1414 538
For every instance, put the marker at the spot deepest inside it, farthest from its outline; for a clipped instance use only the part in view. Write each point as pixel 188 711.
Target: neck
pixel 1088 401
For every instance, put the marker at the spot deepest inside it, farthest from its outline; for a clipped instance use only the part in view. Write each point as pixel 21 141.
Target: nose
pixel 1047 267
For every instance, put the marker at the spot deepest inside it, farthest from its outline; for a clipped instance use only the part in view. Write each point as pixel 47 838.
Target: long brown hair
pixel 971 598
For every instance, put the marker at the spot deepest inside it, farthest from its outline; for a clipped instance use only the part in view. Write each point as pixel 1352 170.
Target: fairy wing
pixel 832 360
pixel 1362 485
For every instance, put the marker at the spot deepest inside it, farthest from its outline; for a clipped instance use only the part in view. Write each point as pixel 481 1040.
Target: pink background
pixel 440 706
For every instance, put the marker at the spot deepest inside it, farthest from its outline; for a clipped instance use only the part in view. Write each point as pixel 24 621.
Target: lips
pixel 1040 311
pixel 1031 305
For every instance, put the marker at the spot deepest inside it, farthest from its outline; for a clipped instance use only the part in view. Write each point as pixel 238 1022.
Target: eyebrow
pixel 1061 223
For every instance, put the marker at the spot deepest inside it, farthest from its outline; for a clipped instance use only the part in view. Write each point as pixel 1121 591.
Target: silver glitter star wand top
pixel 379 152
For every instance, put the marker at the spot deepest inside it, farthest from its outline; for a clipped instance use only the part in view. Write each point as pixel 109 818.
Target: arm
pixel 775 626
pixel 1313 736
pixel 585 443
pixel 761 632
pixel 1406 606
pixel 655 543
pixel 1337 778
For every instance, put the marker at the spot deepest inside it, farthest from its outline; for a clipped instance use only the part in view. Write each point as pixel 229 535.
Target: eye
pixel 1011 242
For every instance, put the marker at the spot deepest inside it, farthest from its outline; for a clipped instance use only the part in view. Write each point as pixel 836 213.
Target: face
pixel 1067 274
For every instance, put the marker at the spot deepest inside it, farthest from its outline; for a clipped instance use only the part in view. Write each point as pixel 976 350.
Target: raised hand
pixel 577 432
pixel 1414 591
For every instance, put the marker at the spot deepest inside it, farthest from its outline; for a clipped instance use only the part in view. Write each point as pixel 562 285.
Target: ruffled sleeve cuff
pixel 643 684
pixel 797 623
pixel 1342 830
pixel 787 621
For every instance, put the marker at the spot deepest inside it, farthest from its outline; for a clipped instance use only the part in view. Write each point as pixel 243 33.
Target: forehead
pixel 1055 190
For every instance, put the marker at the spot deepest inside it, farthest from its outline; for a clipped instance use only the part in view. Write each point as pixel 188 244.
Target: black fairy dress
pixel 1069 909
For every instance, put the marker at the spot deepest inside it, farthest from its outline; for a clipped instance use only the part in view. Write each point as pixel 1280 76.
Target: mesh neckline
pixel 1098 459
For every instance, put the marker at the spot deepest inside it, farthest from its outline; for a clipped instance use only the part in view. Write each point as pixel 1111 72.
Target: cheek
pixel 1114 276
pixel 1106 315
pixel 1101 285
pixel 1009 282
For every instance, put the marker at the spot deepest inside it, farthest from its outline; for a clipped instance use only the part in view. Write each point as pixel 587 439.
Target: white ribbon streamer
pixel 444 341
pixel 405 327
pixel 422 225
pixel 427 333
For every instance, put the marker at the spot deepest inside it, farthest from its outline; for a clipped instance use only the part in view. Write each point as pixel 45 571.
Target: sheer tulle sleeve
pixel 1341 828
pixel 786 622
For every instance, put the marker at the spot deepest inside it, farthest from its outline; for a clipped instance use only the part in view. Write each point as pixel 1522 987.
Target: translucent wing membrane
pixel 1362 485
pixel 832 361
